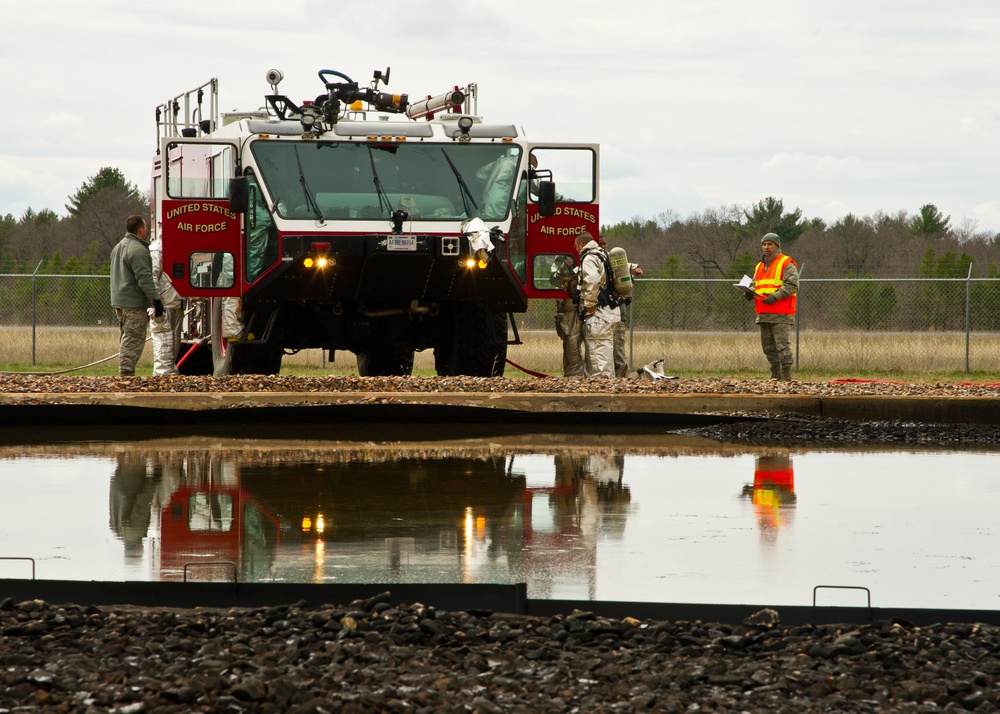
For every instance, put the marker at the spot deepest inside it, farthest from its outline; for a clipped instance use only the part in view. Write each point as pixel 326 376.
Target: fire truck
pixel 360 220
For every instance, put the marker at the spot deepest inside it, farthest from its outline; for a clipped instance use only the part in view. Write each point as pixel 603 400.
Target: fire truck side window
pixel 198 170
pixel 261 235
pixel 552 271
pixel 211 269
pixel 574 171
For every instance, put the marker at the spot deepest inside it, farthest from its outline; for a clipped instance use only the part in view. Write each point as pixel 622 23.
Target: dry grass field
pixel 909 355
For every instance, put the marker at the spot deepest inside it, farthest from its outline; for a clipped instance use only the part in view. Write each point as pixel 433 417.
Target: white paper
pixel 746 282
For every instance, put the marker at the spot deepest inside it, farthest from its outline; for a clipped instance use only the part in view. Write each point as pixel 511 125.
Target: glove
pixel 157 308
pixel 770 299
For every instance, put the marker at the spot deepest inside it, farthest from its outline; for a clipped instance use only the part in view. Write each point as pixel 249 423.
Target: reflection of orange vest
pixel 766 280
pixel 768 486
pixel 783 479
pixel 768 489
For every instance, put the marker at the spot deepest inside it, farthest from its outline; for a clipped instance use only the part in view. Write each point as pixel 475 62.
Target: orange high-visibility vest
pixel 767 280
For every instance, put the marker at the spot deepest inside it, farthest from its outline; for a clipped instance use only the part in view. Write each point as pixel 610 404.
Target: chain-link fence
pixel 908 325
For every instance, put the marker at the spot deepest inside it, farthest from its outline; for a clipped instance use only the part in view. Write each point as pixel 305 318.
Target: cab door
pixel 575 170
pixel 201 235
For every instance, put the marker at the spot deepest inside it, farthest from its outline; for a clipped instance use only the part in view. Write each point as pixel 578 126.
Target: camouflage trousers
pixel 776 341
pixel 132 322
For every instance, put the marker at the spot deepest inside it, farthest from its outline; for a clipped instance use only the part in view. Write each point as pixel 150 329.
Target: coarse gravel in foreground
pixel 379 655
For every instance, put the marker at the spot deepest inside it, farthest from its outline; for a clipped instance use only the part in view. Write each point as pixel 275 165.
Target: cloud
pixel 852 107
pixel 802 162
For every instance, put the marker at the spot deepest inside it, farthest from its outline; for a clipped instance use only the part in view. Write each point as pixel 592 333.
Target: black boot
pixel 786 373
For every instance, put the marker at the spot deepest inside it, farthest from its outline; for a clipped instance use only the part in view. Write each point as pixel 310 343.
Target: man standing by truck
pixel 598 308
pixel 133 292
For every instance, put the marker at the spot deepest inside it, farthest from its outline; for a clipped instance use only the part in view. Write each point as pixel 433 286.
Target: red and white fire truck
pixel 360 220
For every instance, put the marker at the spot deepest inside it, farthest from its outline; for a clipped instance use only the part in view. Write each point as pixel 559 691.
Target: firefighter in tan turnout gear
pixel 165 329
pixel 598 307
pixel 568 326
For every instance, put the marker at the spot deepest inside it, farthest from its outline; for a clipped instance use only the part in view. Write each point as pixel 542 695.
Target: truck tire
pixel 241 357
pixel 472 343
pixel 385 360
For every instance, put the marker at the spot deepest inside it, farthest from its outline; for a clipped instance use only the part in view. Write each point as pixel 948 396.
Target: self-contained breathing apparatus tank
pixel 621 270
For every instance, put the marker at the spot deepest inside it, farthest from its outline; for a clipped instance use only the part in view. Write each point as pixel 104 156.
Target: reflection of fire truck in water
pixel 398 520
pixel 346 222
pixel 212 522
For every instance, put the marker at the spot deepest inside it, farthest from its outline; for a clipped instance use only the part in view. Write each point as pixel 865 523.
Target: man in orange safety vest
pixel 775 281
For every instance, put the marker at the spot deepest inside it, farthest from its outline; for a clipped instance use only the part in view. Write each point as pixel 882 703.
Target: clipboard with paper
pixel 746 285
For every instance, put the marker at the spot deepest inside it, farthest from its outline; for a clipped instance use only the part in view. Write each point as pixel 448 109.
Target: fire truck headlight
pixel 321 262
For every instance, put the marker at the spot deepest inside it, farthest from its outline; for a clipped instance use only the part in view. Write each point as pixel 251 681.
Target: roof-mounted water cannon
pixel 432 105
pixel 348 92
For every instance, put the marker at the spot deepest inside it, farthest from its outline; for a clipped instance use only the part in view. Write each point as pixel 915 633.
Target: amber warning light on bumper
pixel 320 260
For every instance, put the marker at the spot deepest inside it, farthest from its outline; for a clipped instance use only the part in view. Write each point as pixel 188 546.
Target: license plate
pixel 402 243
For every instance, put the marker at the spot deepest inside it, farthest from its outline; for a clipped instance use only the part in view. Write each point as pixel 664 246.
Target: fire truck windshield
pixel 369 180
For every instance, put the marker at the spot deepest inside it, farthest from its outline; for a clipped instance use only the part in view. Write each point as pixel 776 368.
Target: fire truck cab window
pixel 364 180
pixel 211 269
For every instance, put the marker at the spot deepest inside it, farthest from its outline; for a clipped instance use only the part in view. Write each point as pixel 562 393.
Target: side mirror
pixel 239 194
pixel 546 198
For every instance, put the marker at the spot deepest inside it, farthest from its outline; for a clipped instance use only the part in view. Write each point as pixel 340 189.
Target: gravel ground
pixel 382 656
pixel 548 385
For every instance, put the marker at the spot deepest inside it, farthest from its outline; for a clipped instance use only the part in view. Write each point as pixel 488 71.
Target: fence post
pixel 34 310
pixel 968 314
pixel 631 330
pixel 797 302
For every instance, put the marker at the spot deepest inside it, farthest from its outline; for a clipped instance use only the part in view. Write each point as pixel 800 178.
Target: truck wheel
pixel 385 360
pixel 241 357
pixel 473 342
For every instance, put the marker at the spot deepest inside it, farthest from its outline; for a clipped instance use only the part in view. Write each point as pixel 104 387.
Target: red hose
pixel 187 354
pixel 528 372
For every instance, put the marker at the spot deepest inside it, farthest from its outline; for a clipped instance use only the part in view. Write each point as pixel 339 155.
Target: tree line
pixel 80 242
pixel 721 244
pixel 725 243
pixel 716 243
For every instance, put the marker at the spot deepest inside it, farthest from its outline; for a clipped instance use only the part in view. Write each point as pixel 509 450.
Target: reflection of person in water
pixel 590 493
pixel 772 493
pixel 135 491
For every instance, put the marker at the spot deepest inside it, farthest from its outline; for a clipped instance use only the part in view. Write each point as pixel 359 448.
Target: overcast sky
pixel 835 107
